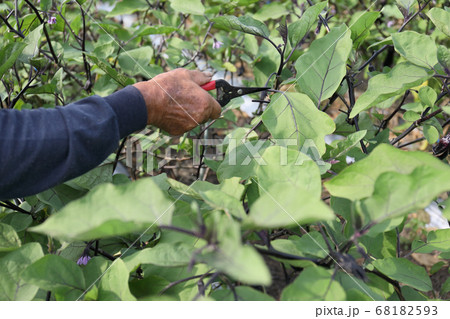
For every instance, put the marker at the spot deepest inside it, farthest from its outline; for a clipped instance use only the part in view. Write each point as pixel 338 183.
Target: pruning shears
pixel 226 91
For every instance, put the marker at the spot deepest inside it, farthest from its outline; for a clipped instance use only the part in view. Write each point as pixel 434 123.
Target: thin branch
pixel 413 16
pixel 385 122
pixel 19 33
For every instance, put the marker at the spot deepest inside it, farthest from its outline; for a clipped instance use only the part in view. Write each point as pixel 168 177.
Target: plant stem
pixel 385 122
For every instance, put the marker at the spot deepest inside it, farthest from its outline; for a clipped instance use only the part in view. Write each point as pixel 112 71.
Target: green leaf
pixel 431 133
pixel 244 24
pixel 219 200
pixel 242 160
pixel 360 26
pixel 242 263
pixel 188 6
pixel 127 7
pixel 427 96
pixel 46 5
pixel 314 283
pixel 321 69
pixel 407 4
pixel 404 271
pixel 358 180
pixel 154 29
pixel 294 116
pixel 443 56
pixel 59 196
pixel 118 77
pixel 436 240
pixel 8 238
pixel 273 10
pixel 440 19
pixel 229 66
pixel 445 286
pixel 56 274
pixel 244 293
pixel 411 116
pixel 12 287
pixel 344 146
pixel 131 207
pixel 298 29
pixel 87 181
pixel 396 194
pixel 9 55
pixel 281 165
pixel 283 205
pixel 33 40
pixel 99 175
pixel 417 48
pixel 114 283
pixel 383 86
pixel 163 254
pixel 229 186
pixel 136 61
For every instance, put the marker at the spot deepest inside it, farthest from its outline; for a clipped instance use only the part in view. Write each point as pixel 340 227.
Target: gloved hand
pixel 175 101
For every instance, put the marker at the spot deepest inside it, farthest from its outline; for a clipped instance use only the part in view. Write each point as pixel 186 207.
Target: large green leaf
pixel 321 69
pixel 57 274
pixel 404 271
pixel 417 48
pixel 283 205
pixel 396 194
pixel 8 238
pixel 244 23
pixel 440 19
pixel 110 210
pixel 9 55
pixel 163 254
pixel 360 25
pixel 242 263
pixel 358 180
pixel 289 167
pixel 385 85
pixel 295 117
pixel 188 6
pixel 12 287
pixel 314 283
pixel 298 29
pixel 114 283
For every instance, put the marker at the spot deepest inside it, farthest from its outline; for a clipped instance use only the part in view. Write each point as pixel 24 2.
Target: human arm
pixel 44 147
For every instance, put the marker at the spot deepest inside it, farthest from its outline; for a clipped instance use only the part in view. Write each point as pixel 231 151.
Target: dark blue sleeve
pixel 42 148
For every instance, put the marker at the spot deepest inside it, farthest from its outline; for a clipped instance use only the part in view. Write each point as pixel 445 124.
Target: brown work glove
pixel 175 101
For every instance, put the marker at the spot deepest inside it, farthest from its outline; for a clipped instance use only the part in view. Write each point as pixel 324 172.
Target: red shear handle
pixel 209 86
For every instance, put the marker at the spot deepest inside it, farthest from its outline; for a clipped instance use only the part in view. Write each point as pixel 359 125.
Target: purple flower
pixel 390 23
pixel 52 20
pixel 217 44
pixel 83 260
